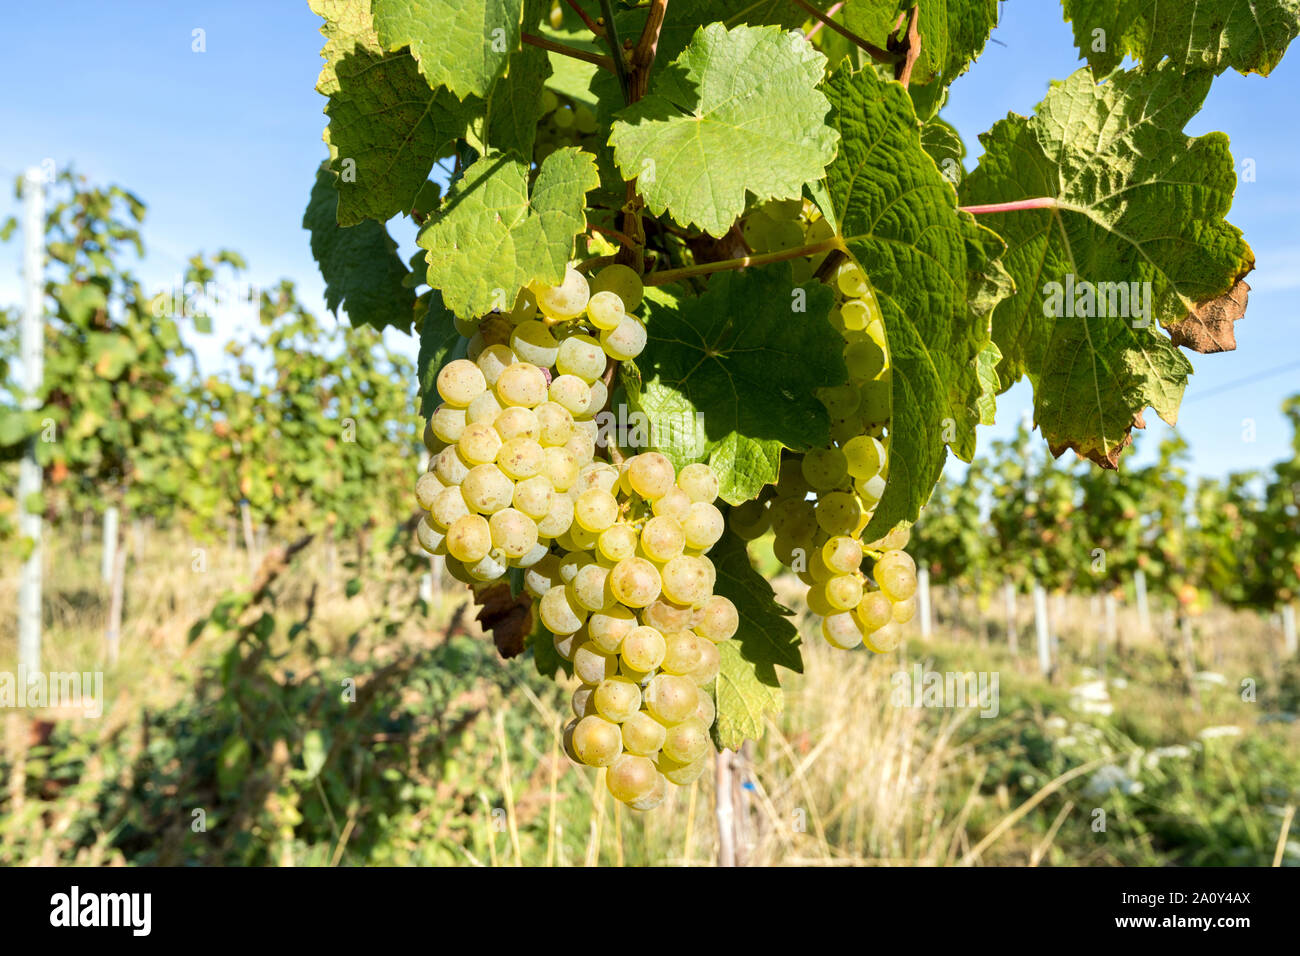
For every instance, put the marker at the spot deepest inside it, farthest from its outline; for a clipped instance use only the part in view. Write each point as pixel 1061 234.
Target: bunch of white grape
pixel 630 602
pixel 823 500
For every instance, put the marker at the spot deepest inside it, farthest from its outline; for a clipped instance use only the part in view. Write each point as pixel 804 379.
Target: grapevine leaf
pixel 386 125
pixel 1137 240
pixel 728 377
pixel 738 111
pixel 491 237
pixel 1213 35
pixel 944 144
pixel 438 340
pixel 898 218
pixel 514 106
pixel 362 271
pixel 460 44
pixel 744 699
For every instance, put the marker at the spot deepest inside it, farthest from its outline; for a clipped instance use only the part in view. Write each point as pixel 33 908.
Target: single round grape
pixel 580 539
pixel 432 442
pixel 817 567
pixel 749 520
pixel 635 582
pixel 521 458
pixel 825 468
pixel 571 393
pixel 599 399
pixel 448 422
pixel 448 507
pixel 560 613
pixel 643 648
pixel 631 778
pixel 642 734
pixel 623 281
pixel 870 491
pixel 671 698
pixel 703 526
pixel 606 311
pixel 851 280
pixel 682 652
pixel 466 328
pixel 522 384
pixel 459 381
pixel 865 456
pixel 875 610
pixel 493 360
pixel 450 467
pixel 651 475
pixel 609 627
pixel 884 639
pixel 431 538
pixel 856 313
pixel 573 562
pixel 597 476
pixel 427 489
pixel 676 504
pixel 595 510
pixel 581 356
pixel 555 424
pixel 709 665
pixel 662 538
pixel 533 342
pixel 581 444
pixel 687 741
pixel 686 580
pixel 864 360
pixel 896 556
pixel 652 799
pixel 597 742
pixel 842 554
pixel 566 300
pixel 842 630
pixel 625 342
pixel 533 496
pixel 617 542
pixel 681 773
pixel 469 539
pixel 840 399
pixel 581 702
pixel 592 666
pixel 706 710
pixel 838 513
pixel 490 567
pixel 563 116
pixel 487 489
pixel 525 307
pixel 589 587
pixel 896 580
pixel 517 422
pixel 905 610
pixel 667 616
pixel 513 532
pixel 479 444
pixel 457 570
pixel 699 481
pixel 560 468
pixel 617 699
pixel 484 409
pixel 718 620
pixel 475 346
pixel 844 591
pixel 558 519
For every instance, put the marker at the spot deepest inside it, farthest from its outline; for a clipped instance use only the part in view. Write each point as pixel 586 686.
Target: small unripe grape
pixel 522 384
pixel 864 360
pixel 459 382
pixel 617 699
pixel 560 613
pixel 597 741
pixel 719 620
pixel 469 539
pixel 642 734
pixel 609 627
pixel 631 778
pixel 671 698
pixel 643 648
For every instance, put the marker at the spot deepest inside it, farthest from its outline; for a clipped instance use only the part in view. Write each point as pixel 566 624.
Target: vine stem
pixel 873 51
pixel 616 50
pixel 834 9
pixel 1039 202
pixel 723 265
pixel 592 25
pixel 599 59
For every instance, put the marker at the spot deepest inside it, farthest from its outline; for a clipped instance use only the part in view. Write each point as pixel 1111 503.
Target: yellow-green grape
pixel 818 230
pixel 818 569
pixel 581 539
pixel 635 582
pixel 642 734
pixel 459 382
pixel 597 475
pixel 824 468
pixel 584 120
pixel 591 666
pixel 560 468
pixel 484 409
pixel 793 518
pixel 581 702
pixel 567 300
pixel 541 577
pixel 682 653
pixel 791 482
pixel 757 232
pixel 698 481
pixel 475 346
pixel 676 504
pixel 643 648
pixel 571 563
pixel 855 313
pixel 525 307
pixel 513 532
pixel 610 627
pixel 631 778
pixel 554 424
pixel 566 645
pixel 706 710
pixel 863 359
pixel 718 619
pixel 623 281
pixel 450 467
pixel 432 442
pixel 844 591
pixel 606 311
pixel 667 616
pixel 895 572
pixel 448 422
pixel 465 328
pixel 905 610
pixel 559 519
pixel 563 116
pixel 533 555
pixel 582 444
pixel 581 356
pixel 430 538
pixel 487 489
pixel 599 398
pixel 686 580
pixel 681 773
pixel 617 699
pixel 840 399
pixel 655 797
pixel 671 698
pixel 617 542
pixel 842 630
pixel 842 554
pixel 651 475
pixel 687 741
pixel 589 588
pixel 749 520
pixel 884 639
pixel 838 513
pixel 566 737
pixel 875 610
pixel 560 613
pixel 597 742
pixel 865 455
pixel 662 538
pixel 522 384
pixel 479 444
pixel 469 539
pixel 871 490
pixel 817 602
pixel 874 400
pixel 571 393
pixel 710 662
pixel 517 422
pixel 493 360
pixel 533 496
pixel 703 526
pixel 851 280
pixel 595 510
pixel 627 341
pixel 427 489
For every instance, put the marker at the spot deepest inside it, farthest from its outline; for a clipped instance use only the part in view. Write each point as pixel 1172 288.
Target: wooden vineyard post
pixel 1042 631
pixel 1288 629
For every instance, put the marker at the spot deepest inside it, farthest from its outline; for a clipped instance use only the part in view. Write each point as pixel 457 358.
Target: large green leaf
pixel 898 218
pixel 362 271
pixel 460 44
pixel 1137 201
pixel 1245 35
pixel 748 689
pixel 728 377
pixel 387 127
pixel 492 237
pixel 739 111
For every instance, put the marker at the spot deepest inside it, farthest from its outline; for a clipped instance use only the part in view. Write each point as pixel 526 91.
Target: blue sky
pixel 223 145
